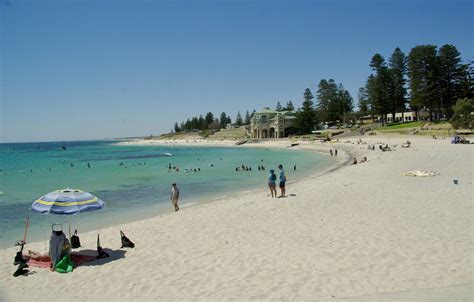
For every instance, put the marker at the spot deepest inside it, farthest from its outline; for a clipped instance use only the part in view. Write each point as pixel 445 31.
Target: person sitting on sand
pixel 272 183
pixel 363 160
pixel 406 145
pixel 354 161
pixel 59 247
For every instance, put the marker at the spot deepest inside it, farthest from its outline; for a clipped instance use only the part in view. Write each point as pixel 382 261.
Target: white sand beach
pixel 362 232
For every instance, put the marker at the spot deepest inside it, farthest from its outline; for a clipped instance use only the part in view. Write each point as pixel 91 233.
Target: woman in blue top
pixel 282 180
pixel 272 183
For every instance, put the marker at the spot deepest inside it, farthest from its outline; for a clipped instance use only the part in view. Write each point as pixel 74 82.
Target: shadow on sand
pixel 114 255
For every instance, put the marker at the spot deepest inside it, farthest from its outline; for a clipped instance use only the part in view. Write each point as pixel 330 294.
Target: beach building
pixel 272 124
pixel 408 116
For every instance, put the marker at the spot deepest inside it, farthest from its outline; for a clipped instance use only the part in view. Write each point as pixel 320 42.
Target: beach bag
pixel 125 241
pixel 75 241
pixel 65 265
pixel 102 253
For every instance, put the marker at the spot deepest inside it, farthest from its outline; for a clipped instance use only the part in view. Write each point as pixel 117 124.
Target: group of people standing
pixel 272 178
pixel 272 181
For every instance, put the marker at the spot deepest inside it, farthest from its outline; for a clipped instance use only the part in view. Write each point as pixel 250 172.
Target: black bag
pixel 75 242
pixel 100 251
pixel 125 241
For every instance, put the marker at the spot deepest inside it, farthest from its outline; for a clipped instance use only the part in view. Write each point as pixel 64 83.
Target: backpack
pixel 125 241
pixel 75 241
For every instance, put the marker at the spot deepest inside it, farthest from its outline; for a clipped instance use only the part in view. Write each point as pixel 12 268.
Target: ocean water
pixel 134 181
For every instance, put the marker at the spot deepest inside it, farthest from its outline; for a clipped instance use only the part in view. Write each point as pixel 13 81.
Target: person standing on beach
pixel 282 180
pixel 335 152
pixel 175 196
pixel 330 152
pixel 272 183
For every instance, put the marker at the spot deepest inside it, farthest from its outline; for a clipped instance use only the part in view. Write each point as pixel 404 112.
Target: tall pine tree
pixel 223 120
pixel 398 70
pixel 238 119
pixel 247 118
pixel 452 75
pixel 209 119
pixel 363 101
pixel 423 71
pixel 379 87
pixel 176 127
pixel 278 107
pixel 306 117
pixel 289 106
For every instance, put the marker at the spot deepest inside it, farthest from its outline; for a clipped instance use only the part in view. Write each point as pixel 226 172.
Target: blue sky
pixel 95 69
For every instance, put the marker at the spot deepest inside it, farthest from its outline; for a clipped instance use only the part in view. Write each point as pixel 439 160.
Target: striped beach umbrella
pixel 67 202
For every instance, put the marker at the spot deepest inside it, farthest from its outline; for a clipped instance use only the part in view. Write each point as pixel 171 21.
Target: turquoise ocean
pixel 134 181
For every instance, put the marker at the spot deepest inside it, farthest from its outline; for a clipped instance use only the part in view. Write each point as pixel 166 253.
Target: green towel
pixel 65 265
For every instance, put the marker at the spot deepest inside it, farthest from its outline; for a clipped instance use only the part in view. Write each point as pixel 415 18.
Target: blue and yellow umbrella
pixel 67 202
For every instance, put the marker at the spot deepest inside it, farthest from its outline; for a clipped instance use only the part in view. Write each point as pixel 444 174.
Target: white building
pixel 272 124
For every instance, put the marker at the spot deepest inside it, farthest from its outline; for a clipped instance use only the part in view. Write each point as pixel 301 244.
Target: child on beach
pixel 272 183
pixel 175 196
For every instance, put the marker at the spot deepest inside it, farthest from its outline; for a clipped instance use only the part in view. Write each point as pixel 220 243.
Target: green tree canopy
pixel 463 117
pixel 305 116
pixel 209 119
pixel 423 72
pixel 363 101
pixel 176 127
pixel 278 107
pixel 452 77
pixel 334 101
pixel 238 119
pixel 247 118
pixel 223 120
pixel 398 71
pixel 379 86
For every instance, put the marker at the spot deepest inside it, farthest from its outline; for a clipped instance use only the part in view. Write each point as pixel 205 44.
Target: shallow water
pixel 133 180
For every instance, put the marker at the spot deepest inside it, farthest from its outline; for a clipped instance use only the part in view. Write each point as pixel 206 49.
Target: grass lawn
pixel 421 128
pixel 401 126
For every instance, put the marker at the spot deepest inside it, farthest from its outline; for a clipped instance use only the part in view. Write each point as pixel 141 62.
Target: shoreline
pixel 220 197
pixel 362 231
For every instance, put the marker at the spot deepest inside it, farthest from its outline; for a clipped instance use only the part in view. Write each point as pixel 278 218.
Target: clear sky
pixel 95 69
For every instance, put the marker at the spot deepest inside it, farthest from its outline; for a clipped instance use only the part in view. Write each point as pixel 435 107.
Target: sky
pixel 75 70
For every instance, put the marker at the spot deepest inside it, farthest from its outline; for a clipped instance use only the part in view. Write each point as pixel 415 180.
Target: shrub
pixel 463 117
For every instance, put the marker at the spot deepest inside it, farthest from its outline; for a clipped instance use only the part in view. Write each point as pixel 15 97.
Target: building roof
pixel 269 111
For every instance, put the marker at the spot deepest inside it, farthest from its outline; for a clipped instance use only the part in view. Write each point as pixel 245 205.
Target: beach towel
pixel 76 258
pixel 421 173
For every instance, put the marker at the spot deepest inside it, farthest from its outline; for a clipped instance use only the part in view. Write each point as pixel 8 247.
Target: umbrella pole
pixel 44 237
pixel 69 223
pixel 26 228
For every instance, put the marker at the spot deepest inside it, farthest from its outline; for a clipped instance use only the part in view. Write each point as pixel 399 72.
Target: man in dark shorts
pixel 282 180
